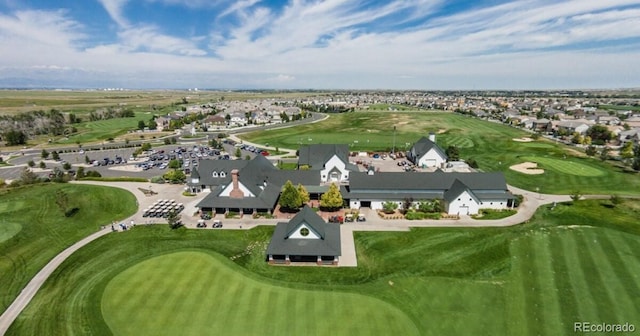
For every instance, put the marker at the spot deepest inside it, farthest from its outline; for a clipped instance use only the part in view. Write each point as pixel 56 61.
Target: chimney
pixel 235 192
pixel 432 137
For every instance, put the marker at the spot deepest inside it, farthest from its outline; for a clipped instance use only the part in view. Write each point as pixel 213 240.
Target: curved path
pixel 528 207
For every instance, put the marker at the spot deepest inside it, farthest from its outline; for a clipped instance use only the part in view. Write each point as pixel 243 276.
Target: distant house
pixel 462 193
pixel 632 135
pixel 426 153
pixel 633 122
pixel 214 120
pixel 573 126
pixel 305 238
pixel 331 160
pixel 541 125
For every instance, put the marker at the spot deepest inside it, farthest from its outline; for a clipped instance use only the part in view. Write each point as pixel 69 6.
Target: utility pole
pixel 393 149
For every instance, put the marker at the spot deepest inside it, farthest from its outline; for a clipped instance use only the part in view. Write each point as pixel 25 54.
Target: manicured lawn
pixel 101 130
pixel 573 263
pixel 33 229
pixel 222 301
pixel 490 144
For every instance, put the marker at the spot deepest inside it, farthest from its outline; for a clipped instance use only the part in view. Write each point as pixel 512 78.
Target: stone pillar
pixel 335 261
pixel 286 260
pixel 319 261
pixel 271 262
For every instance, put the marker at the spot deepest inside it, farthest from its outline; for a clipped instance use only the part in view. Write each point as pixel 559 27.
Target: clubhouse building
pixel 254 186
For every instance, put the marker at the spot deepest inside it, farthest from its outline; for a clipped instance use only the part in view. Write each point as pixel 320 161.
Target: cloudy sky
pixel 332 44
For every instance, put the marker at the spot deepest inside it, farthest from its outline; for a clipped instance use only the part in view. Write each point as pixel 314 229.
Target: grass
pixel 486 214
pixel 247 306
pixel 101 130
pixel 490 144
pixel 577 262
pixel 33 229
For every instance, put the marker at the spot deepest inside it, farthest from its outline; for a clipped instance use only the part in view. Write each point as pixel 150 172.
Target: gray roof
pixel 328 245
pixel 317 155
pixel 455 190
pixel 424 145
pixel 400 185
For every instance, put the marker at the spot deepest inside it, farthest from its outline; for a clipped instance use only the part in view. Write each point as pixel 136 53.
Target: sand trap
pixel 128 168
pixel 530 168
pixel 522 139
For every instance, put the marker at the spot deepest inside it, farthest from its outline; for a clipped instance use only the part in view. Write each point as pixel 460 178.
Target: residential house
pixel 541 125
pixel 572 126
pixel 214 121
pixel 305 238
pixel 426 153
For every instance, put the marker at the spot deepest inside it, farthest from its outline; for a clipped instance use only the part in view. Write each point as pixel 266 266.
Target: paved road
pixel 348 259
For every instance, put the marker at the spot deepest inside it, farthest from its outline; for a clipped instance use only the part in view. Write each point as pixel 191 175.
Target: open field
pixel 14 101
pixel 572 263
pixel 33 229
pixel 490 144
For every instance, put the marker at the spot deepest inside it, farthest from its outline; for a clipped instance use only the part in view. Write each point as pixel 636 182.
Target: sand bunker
pixel 530 168
pixel 522 139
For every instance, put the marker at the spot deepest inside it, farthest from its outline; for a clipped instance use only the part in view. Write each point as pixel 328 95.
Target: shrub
pixel 389 207
pixel 114 179
pixel 187 193
pixel 157 179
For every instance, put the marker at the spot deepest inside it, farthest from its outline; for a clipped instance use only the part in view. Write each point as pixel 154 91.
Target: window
pixel 470 200
pixel 304 232
pixel 214 174
pixel 458 199
pixel 223 174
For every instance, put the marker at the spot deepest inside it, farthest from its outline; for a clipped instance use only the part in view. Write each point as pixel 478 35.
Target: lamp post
pixel 393 149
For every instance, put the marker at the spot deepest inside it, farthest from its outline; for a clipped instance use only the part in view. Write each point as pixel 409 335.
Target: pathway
pixel 528 207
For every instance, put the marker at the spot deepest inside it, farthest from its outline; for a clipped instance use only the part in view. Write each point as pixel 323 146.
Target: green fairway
pixel 573 262
pixel 566 167
pixel 93 131
pixel 33 229
pixel 490 144
pixel 224 302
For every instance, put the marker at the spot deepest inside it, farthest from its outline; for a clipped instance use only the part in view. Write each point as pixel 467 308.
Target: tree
pixel 57 175
pixel 304 195
pixel 86 159
pixel 14 137
pixel 31 164
pixel 55 155
pixel 604 154
pixel 152 125
pixel 389 207
pixel 42 165
pixel 289 198
pixel 174 219
pixel 66 166
pixel 627 151
pixel 167 141
pixel 62 200
pixel 615 200
pixel 227 117
pixel 175 176
pixel 174 164
pixel 599 134
pixel 80 174
pixel 591 150
pixel 141 125
pixel 44 154
pixel 247 157
pixel 332 199
pixel 577 138
pixel 575 196
pixel 453 153
pixel 145 146
pixel 28 177
pixel 238 152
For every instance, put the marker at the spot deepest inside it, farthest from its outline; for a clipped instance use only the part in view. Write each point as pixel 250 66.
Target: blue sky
pixel 333 44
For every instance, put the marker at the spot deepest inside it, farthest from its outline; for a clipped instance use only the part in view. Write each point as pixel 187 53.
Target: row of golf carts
pixel 162 208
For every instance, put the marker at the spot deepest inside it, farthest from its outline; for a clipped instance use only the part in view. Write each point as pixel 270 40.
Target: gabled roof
pixel 281 244
pixel 424 145
pixel 317 155
pixel 455 190
pixel 308 217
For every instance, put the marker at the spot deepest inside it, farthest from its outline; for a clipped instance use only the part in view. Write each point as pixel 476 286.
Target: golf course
pixel 566 264
pixel 491 144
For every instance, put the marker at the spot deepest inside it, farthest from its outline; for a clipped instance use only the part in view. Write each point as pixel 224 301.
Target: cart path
pixel 530 204
pixel 12 312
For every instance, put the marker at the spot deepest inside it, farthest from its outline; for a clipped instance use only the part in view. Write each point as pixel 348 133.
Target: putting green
pixel 8 230
pixel 193 293
pixel 565 166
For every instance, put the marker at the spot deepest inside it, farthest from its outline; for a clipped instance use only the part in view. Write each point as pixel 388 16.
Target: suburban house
pixel 332 161
pixel 426 153
pixel 541 125
pixel 574 126
pixel 214 120
pixel 462 193
pixel 305 238
pixel 630 135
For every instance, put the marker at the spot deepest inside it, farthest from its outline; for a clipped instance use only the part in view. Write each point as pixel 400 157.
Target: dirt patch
pixel 442 130
pixel 522 139
pixel 128 168
pixel 529 168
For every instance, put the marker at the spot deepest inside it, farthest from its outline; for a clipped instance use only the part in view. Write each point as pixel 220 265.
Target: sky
pixel 332 44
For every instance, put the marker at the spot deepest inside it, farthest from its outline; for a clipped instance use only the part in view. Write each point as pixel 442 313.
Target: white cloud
pixel 149 38
pixel 115 10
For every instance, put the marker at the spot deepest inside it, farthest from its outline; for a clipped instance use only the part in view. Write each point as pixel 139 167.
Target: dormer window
pixel 214 174
pixel 223 174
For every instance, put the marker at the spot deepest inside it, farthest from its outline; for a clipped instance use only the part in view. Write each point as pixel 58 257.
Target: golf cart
pixel 201 223
pixel 216 224
pixel 348 218
pixel 361 218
